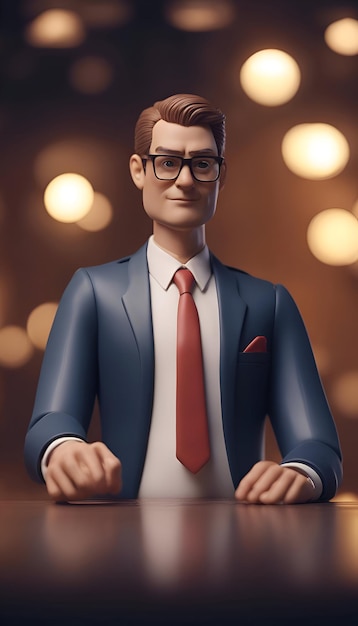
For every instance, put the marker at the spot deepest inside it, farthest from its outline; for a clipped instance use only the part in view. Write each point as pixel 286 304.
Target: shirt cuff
pixel 311 474
pixel 52 446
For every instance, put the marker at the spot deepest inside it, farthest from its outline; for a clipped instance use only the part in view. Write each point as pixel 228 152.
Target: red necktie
pixel 193 448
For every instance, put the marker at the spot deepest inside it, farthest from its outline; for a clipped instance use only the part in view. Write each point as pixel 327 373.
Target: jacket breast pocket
pixel 252 384
pixel 252 358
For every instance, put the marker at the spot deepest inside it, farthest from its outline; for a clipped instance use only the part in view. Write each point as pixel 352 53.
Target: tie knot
pixel 184 280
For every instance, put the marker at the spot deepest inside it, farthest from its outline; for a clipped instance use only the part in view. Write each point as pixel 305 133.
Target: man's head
pixel 183 109
pixel 178 165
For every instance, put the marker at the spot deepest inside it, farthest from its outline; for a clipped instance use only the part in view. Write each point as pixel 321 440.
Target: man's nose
pixel 185 176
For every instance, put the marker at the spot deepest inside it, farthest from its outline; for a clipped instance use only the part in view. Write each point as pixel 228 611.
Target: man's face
pixel 184 203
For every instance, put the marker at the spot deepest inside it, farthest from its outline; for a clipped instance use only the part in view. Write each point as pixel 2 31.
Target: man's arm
pixel 301 419
pixel 72 469
pixel 299 410
pixel 65 395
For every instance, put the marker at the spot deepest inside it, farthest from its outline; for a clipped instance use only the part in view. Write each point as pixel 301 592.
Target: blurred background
pixel 75 74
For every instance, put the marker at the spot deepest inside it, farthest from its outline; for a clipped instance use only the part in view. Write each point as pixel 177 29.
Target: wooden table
pixel 178 562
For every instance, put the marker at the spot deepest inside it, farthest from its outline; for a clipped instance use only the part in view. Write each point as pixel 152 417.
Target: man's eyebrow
pixel 203 151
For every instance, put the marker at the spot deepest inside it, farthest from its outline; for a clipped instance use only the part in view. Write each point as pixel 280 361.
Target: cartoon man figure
pixel 115 337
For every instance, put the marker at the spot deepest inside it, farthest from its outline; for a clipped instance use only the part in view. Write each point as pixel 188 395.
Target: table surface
pixel 178 562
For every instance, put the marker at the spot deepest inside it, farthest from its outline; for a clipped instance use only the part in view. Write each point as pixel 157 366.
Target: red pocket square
pixel 259 344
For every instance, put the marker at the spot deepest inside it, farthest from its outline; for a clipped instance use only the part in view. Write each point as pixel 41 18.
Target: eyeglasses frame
pixel 219 160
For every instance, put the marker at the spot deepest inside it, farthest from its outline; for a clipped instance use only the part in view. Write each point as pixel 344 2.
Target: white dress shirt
pixel 164 475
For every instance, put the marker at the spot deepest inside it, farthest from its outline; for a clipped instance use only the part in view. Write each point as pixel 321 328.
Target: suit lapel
pixel 232 310
pixel 136 302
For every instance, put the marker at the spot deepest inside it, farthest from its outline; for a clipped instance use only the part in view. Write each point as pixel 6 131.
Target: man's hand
pixel 78 470
pixel 270 483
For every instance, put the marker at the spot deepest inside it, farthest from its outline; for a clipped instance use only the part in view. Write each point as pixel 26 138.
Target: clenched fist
pixel 78 470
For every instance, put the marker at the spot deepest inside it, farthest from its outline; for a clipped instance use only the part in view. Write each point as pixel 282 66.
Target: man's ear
pixel 222 178
pixel 137 170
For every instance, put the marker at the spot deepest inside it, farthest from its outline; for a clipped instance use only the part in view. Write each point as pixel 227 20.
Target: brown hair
pixel 183 109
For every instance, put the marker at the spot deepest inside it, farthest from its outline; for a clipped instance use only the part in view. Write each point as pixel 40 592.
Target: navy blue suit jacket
pixel 101 344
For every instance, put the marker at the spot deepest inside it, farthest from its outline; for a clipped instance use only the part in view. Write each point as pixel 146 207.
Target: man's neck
pixel 182 245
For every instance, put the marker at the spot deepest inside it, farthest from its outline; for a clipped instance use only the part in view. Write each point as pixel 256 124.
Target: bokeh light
pixel 107 13
pixel 315 151
pixel 345 393
pixel 332 237
pixel 99 216
pixel 16 348
pixel 83 155
pixel 342 36
pixel 323 358
pixel 200 15
pixel 68 197
pixel 355 208
pixel 270 77
pixel 55 28
pixel 345 496
pixel 39 323
pixel 91 75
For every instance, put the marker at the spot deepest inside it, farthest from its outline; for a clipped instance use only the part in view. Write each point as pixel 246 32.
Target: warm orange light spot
pixel 342 36
pixel 346 496
pixel 91 75
pixel 270 77
pixel 99 216
pixel 56 28
pixel 315 151
pixel 355 208
pixel 68 197
pixel 15 347
pixel 200 15
pixel 39 323
pixel 332 237
pixel 345 393
pixel 107 13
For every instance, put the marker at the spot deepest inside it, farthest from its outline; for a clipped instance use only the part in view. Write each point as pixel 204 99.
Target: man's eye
pixel 168 163
pixel 202 165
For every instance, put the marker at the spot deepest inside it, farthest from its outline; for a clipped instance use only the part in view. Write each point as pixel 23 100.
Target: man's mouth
pixel 184 199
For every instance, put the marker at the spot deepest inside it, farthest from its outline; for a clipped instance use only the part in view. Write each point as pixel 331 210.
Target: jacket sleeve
pixel 68 378
pixel 299 410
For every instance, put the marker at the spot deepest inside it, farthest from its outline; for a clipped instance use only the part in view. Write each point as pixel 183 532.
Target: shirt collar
pixel 162 266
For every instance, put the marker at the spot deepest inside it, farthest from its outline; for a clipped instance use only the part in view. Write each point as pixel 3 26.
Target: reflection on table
pixel 178 562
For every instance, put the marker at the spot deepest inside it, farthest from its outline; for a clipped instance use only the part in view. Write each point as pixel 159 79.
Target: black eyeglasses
pixel 205 169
